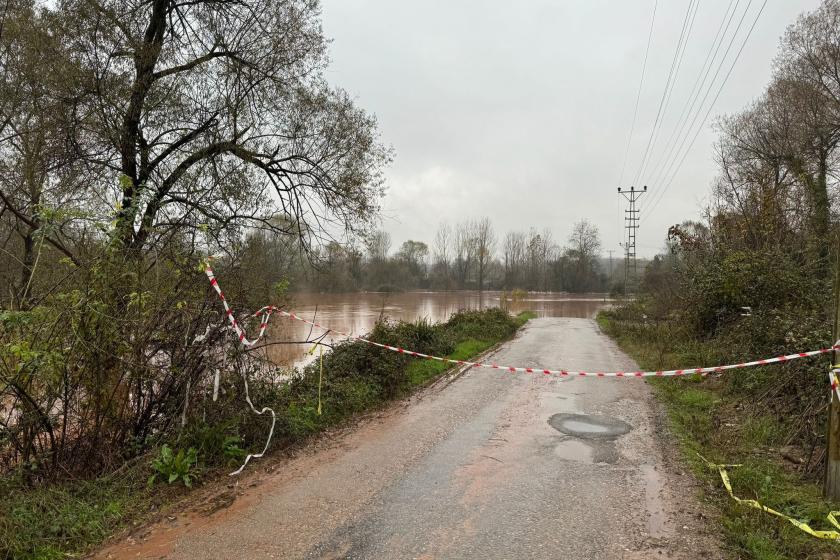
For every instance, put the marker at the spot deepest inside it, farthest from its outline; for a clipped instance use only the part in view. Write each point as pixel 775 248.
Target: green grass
pixel 524 317
pixel 422 371
pixel 706 420
pixel 57 521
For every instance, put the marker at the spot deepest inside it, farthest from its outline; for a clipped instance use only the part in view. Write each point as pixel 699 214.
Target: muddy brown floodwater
pixel 356 313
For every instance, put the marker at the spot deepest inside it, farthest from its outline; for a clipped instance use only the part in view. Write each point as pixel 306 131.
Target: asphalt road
pixel 475 469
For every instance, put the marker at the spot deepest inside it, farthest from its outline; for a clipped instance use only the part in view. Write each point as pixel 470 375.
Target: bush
pixel 215 444
pixel 95 375
pixel 172 467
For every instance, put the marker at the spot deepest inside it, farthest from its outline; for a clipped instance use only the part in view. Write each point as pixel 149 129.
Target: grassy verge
pixel 707 419
pixel 52 521
pixel 58 521
pixel 421 372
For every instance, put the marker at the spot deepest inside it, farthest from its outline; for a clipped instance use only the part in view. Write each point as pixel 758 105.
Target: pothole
pixel 589 426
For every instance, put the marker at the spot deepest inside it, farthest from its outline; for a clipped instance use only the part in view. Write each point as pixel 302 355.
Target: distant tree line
pixel 465 256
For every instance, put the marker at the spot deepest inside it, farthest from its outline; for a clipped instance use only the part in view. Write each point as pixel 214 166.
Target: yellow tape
pixel 321 372
pixel 320 376
pixel 832 516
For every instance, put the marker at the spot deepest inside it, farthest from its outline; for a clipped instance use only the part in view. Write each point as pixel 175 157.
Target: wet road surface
pixel 493 465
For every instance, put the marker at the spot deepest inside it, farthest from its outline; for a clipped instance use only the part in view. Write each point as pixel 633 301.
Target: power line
pixel 694 95
pixel 670 92
pixel 668 85
pixel 638 95
pixel 680 145
pixel 676 158
pixel 717 95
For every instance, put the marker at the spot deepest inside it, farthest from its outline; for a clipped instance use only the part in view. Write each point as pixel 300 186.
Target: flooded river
pixel 357 312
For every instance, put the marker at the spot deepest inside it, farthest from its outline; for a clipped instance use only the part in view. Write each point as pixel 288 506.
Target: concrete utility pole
pixel 631 219
pixel 832 457
pixel 611 251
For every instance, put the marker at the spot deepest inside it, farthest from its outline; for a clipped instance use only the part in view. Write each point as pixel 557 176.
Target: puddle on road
pixel 589 426
pixel 590 438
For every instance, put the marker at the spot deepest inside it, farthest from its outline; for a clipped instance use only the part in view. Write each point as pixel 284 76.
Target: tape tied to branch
pixel 833 534
pixel 241 334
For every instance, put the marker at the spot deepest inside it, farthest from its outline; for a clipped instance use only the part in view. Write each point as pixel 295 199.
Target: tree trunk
pixel 832 461
pixel 821 210
pixel 146 56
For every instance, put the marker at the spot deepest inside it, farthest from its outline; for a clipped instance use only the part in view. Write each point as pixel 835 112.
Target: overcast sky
pixel 521 111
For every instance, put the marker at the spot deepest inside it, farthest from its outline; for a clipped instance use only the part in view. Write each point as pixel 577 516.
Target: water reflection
pixel 357 312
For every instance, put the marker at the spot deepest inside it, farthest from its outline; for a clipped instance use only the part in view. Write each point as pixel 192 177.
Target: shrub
pixel 215 444
pixel 172 467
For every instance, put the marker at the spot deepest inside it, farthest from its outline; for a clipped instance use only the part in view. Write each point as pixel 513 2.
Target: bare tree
pixel 378 246
pixel 539 250
pixel 514 258
pixel 807 78
pixel 583 252
pixel 584 239
pixel 465 252
pixel 485 244
pixel 443 240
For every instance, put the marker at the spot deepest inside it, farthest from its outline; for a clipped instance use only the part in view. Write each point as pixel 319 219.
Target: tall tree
pixel 513 248
pixel 413 255
pixel 35 165
pixel 485 244
pixel 584 250
pixel 378 246
pixel 441 273
pixel 807 75
pixel 216 113
pixel 465 252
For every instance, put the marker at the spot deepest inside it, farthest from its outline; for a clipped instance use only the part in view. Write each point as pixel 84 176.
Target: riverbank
pixel 56 520
pixel 711 420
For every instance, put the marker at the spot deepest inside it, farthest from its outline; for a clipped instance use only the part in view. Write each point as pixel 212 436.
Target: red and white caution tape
pixel 266 312
pixel 241 333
